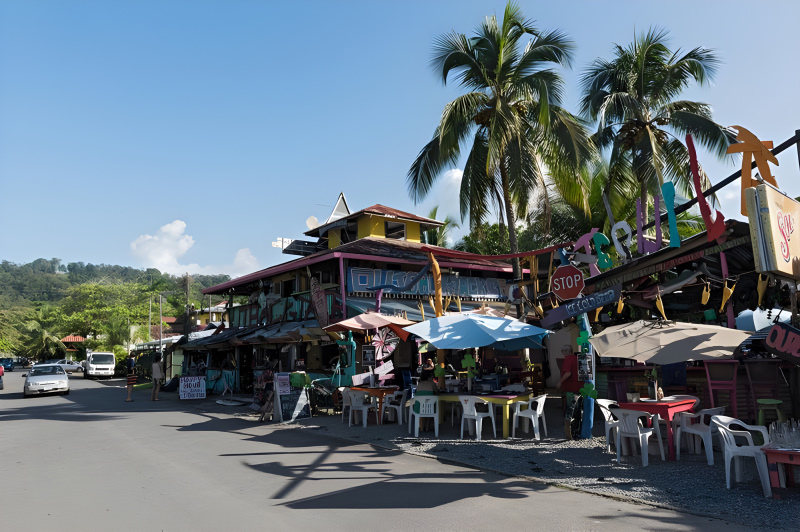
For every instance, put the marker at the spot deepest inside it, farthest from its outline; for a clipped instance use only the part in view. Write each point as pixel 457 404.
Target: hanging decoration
pixel 620 305
pixel 726 294
pixel 660 306
pixel 706 293
pixel 422 309
pixel 763 280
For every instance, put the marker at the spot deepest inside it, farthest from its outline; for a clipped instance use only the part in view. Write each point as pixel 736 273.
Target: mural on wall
pixel 366 279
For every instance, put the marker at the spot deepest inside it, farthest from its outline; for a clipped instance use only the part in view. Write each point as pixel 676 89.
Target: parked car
pixel 8 364
pixel 69 366
pixel 46 378
pixel 99 365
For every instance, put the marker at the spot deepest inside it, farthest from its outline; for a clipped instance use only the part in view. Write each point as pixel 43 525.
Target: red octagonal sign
pixel 567 282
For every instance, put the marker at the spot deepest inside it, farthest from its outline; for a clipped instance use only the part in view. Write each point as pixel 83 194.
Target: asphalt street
pixel 91 461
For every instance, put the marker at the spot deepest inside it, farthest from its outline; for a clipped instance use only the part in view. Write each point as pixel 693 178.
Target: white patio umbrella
pixel 462 331
pixel 668 342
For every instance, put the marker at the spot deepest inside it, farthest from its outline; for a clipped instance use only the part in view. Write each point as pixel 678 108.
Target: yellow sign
pixel 773 218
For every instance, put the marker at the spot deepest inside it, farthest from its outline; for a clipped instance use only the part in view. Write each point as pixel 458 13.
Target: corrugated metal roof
pixel 73 338
pixel 381 210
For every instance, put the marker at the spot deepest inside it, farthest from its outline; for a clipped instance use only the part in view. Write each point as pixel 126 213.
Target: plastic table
pixel 665 410
pixel 505 400
pixel 776 457
pixel 380 392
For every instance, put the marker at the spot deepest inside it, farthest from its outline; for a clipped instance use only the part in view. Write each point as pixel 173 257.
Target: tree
pixel 40 340
pixel 438 236
pixel 485 239
pixel 634 101
pixel 511 120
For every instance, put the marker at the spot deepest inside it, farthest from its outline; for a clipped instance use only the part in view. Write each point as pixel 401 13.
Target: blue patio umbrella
pixel 462 331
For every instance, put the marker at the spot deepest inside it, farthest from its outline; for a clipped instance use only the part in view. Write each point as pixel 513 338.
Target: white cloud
pixel 164 249
pixel 729 195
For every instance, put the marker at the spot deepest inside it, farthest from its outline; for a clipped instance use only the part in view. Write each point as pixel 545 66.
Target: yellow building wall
pixel 370 226
pixel 412 232
pixel 334 238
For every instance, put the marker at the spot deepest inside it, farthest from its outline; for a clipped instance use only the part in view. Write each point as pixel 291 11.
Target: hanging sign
pixel 368 355
pixel 581 305
pixel 192 387
pixel 773 218
pixel 320 301
pixel 783 341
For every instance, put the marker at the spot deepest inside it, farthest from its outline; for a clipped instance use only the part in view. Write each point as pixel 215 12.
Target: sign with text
pixel 192 387
pixel 320 301
pixel 290 403
pixel 772 218
pixel 567 282
pixel 362 279
pixel 282 381
pixel 384 368
pixel 581 305
pixel 783 341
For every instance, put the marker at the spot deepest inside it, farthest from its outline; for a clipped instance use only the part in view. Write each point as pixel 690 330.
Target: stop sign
pixel 567 282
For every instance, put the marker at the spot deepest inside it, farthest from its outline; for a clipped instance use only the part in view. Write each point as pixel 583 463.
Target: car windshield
pixel 102 359
pixel 46 370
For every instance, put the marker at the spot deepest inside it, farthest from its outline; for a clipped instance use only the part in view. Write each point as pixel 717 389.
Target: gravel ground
pixel 689 485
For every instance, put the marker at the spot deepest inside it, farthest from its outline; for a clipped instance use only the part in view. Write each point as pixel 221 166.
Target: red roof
pixel 169 319
pixel 74 338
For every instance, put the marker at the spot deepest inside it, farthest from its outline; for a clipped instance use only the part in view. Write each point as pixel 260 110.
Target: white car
pixel 46 378
pixel 69 366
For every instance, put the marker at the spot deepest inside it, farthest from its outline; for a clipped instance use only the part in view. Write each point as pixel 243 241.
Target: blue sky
pixel 189 135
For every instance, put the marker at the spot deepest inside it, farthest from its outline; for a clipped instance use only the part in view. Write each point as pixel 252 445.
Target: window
pixel 287 288
pixel 394 230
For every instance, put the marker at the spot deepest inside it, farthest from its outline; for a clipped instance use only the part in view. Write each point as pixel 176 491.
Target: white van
pixel 99 365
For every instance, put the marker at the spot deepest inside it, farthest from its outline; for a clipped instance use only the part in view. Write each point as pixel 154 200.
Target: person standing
pixel 570 385
pixel 158 374
pixel 131 365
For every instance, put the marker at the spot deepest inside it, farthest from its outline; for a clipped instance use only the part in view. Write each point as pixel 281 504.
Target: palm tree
pixel 40 343
pixel 634 101
pixel 438 236
pixel 511 121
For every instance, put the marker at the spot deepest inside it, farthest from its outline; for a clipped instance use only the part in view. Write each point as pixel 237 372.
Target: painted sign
pixel 783 341
pixel 192 387
pixel 294 308
pixel 582 305
pixel 567 282
pixel 292 403
pixel 320 301
pixel 363 279
pixel 385 368
pixel 773 218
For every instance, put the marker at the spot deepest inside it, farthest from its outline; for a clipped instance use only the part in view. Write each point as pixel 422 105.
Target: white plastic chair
pixel 345 394
pixel 428 407
pixel 359 403
pixel 676 420
pixel 534 414
pixel 703 428
pixel 396 402
pixel 611 421
pixel 630 427
pixel 511 388
pixel 470 406
pixel 733 450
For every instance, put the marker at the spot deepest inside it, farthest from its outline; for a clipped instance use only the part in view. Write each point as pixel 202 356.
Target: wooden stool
pixel 769 404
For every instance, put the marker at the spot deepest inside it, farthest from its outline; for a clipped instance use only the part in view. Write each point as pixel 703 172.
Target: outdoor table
pixel 380 392
pixel 665 410
pixel 506 400
pixel 776 457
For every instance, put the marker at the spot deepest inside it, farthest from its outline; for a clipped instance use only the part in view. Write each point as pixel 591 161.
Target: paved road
pixel 90 461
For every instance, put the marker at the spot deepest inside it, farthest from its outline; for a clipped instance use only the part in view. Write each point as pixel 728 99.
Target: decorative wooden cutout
pixel 715 227
pixel 752 148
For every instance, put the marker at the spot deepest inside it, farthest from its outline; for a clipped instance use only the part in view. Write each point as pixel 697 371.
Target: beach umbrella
pixel 462 331
pixel 668 342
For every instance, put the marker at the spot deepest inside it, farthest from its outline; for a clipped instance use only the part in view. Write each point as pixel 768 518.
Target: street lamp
pixel 161 323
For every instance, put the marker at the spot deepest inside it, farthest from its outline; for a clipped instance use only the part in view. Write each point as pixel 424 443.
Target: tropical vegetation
pixel 511 122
